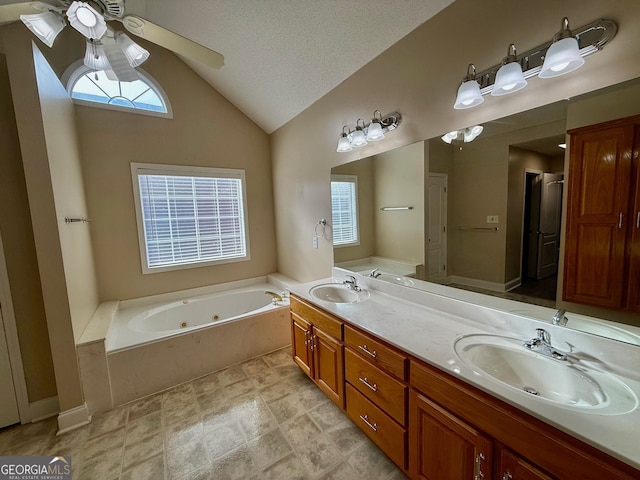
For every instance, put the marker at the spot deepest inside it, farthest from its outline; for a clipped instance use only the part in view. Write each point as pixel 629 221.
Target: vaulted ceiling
pixel 283 55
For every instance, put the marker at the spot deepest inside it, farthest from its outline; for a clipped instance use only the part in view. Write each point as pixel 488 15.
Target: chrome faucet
pixel 542 344
pixel 352 283
pixel 276 297
pixel 375 273
pixel 559 317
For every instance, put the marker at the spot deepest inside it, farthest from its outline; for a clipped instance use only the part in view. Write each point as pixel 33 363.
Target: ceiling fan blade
pixel 11 13
pixel 172 41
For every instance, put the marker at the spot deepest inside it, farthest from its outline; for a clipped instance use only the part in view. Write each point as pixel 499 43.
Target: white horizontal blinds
pixel 344 211
pixel 190 219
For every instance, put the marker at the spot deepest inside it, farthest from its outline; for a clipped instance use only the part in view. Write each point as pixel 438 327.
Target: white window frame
pixel 138 169
pixel 353 179
pixel 77 69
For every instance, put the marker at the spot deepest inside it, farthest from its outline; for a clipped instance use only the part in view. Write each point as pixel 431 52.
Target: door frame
pixel 525 228
pixel 13 344
pixel 445 236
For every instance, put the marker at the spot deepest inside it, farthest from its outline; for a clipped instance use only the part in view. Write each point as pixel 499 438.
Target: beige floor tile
pixel 261 419
pixel 187 458
pixel 145 406
pixel 143 427
pixel 289 468
pixel 287 408
pixel 268 448
pixel 108 421
pixel 238 464
pixel 150 469
pixel 222 439
pixel 143 450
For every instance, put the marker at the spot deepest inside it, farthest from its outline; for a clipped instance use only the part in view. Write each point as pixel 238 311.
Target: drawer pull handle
pixel 372 426
pixel 620 217
pixel 365 380
pixel 507 476
pixel 479 475
pixel 367 351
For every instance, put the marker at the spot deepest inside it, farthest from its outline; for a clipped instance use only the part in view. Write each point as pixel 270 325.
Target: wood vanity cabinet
pixel 519 444
pixel 376 392
pixel 443 446
pixel 510 466
pixel 317 347
pixel 431 424
pixel 602 248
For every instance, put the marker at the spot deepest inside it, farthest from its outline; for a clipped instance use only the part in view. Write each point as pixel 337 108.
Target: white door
pixel 437 249
pixel 549 229
pixel 8 404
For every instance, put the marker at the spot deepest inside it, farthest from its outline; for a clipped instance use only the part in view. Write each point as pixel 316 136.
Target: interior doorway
pixel 542 224
pixel 437 231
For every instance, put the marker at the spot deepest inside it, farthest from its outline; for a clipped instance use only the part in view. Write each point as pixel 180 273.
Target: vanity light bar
pixel 363 134
pixel 591 38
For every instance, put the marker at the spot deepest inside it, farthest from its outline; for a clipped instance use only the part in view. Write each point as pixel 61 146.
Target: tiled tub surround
pixel 259 420
pixel 119 364
pixel 426 325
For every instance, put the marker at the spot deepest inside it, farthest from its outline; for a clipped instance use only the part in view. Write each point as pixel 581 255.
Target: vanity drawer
pixel 376 352
pixel 382 389
pixel 381 429
pixel 325 322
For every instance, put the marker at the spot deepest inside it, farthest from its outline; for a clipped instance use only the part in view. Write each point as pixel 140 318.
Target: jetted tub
pixel 154 345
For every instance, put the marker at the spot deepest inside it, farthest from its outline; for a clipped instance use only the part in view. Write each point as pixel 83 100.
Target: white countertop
pixel 426 325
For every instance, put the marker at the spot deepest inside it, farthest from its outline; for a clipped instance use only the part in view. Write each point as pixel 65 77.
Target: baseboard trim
pixel 41 409
pixel 73 418
pixel 472 282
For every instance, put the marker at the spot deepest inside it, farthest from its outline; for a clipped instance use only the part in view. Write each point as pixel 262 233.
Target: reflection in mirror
pixel 481 216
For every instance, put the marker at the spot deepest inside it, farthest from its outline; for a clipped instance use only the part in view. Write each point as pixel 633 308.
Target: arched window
pixel 94 88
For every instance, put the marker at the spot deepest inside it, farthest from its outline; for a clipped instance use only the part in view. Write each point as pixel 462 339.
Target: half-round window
pixel 95 88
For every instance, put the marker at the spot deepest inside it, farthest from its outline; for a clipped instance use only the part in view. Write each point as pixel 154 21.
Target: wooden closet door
pixel 633 248
pixel 598 216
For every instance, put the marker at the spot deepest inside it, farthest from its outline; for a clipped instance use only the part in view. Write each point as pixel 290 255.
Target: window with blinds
pixel 344 209
pixel 189 216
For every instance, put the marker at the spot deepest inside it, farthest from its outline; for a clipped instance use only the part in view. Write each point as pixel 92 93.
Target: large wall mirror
pixel 481 216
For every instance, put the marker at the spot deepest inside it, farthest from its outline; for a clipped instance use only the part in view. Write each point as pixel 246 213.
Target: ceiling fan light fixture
pixel 46 26
pixel 136 55
pixel 95 57
pixel 85 19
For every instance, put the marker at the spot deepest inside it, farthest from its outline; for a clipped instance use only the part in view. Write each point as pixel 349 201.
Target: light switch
pixel 493 219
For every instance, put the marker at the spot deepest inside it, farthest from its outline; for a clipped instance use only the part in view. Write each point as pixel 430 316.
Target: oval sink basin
pixel 338 293
pixel 507 361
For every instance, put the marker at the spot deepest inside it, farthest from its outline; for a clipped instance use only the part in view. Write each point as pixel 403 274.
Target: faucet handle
pixel 543 335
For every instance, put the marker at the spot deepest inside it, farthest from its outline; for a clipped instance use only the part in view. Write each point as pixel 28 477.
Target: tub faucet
pixel 542 344
pixel 375 273
pixel 559 318
pixel 276 297
pixel 352 283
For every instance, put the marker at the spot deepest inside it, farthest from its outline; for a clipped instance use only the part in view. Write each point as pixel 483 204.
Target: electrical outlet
pixel 492 219
pixel 315 242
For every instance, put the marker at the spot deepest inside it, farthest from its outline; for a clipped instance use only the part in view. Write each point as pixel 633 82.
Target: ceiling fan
pixel 107 49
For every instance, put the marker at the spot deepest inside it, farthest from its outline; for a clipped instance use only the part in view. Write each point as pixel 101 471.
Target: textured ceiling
pixel 283 55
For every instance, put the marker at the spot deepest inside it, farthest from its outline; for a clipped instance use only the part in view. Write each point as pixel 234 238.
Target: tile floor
pixel 262 419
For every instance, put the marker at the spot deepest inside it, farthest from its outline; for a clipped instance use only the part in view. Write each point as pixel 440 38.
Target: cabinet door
pixel 512 467
pixel 328 365
pixel 301 344
pixel 633 293
pixel 442 447
pixel 598 214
